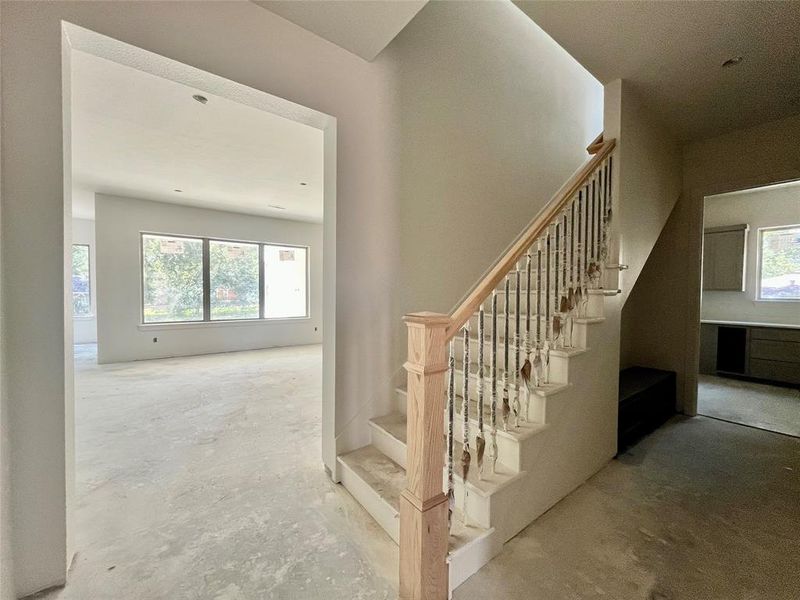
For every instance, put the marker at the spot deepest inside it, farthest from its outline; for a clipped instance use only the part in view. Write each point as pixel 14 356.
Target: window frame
pixel 206 267
pixel 90 314
pixel 760 256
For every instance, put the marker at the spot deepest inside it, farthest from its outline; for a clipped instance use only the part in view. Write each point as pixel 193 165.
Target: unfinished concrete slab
pixel 701 509
pixel 771 407
pixel 201 478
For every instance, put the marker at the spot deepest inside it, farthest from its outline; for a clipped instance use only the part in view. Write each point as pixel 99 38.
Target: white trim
pixel 230 322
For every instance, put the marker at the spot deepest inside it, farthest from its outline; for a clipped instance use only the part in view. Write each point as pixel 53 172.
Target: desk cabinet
pixel 756 351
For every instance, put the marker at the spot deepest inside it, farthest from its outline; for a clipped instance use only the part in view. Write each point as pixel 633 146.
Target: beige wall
pixel 661 318
pixel 495 117
pixel 765 207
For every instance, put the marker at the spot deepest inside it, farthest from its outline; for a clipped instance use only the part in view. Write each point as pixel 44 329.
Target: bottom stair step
pixel 376 481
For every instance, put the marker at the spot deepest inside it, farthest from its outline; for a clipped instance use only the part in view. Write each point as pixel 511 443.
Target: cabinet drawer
pixel 765 333
pixel 774 370
pixel 775 350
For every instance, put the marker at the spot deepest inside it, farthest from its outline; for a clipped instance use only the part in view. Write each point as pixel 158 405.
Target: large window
pixel 188 279
pixel 172 276
pixel 779 263
pixel 81 284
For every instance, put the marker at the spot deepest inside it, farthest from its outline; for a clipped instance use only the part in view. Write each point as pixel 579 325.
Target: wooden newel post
pixel 423 505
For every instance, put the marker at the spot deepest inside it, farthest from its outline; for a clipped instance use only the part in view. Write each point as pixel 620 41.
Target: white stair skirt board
pixel 539 463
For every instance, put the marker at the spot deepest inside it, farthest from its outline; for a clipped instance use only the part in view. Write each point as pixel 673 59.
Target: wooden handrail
pixel 482 291
pixel 596 145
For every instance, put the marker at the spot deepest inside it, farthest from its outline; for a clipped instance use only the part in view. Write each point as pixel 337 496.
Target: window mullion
pixel 261 283
pixel 206 281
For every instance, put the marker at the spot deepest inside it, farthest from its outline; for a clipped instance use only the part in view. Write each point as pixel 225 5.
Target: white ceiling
pixel 672 52
pixel 364 27
pixel 137 134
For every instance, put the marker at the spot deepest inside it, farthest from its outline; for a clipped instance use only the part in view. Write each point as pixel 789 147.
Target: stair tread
pixel 381 473
pixel 513 316
pixel 395 424
pixel 388 479
pixel 462 535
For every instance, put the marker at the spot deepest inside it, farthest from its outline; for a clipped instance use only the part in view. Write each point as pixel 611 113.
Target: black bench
pixel 646 401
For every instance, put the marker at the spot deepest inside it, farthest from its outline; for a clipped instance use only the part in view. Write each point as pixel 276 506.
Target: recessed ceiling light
pixel 179 191
pixel 732 62
pixel 200 99
pixel 276 206
pixel 303 183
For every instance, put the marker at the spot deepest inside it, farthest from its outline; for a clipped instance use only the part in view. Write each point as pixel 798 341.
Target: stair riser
pixel 464 564
pixel 508 450
pixel 388 444
pixel 559 365
pixel 482 510
pixel 473 383
pixel 385 515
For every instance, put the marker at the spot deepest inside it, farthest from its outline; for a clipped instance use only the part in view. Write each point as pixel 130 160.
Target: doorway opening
pixel 200 219
pixel 749 370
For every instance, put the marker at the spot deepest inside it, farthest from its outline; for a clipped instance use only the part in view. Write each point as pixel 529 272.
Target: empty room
pixel 417 299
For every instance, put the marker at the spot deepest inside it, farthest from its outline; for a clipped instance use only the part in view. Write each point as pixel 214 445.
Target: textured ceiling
pixel 672 52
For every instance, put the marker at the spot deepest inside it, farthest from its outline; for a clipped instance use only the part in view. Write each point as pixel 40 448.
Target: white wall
pixel 121 335
pixel 84 329
pixel 766 207
pixel 258 49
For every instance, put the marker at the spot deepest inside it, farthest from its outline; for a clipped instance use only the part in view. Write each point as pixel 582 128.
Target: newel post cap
pixel 427 318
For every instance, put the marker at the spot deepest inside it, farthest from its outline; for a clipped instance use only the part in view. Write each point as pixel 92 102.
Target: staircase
pixel 561 418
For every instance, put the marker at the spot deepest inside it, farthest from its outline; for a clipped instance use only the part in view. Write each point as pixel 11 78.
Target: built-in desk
pixel 759 350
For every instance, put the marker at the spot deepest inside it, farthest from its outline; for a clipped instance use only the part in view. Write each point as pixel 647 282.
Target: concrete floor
pixel 201 478
pixel 749 403
pixel 699 510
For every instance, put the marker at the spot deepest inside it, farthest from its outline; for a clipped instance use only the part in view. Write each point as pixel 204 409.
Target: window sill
pixel 773 300
pixel 229 323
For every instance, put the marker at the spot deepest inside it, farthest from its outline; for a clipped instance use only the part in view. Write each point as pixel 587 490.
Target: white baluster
pixel 451 403
pixel 466 457
pixel 480 441
pixel 493 417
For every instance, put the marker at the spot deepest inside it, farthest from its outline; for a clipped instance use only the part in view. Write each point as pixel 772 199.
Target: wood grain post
pixel 423 505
